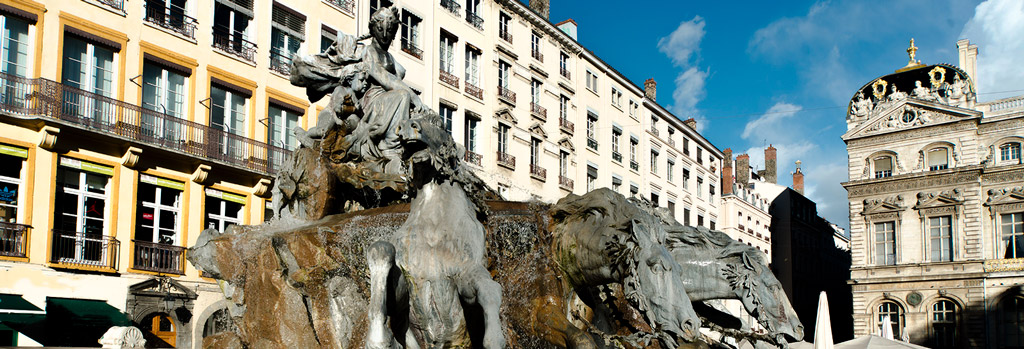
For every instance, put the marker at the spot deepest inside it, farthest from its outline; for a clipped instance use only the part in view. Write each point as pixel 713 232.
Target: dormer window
pixel 938 159
pixel 882 166
pixel 1009 153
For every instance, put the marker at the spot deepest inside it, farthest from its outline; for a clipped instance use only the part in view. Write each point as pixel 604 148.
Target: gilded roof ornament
pixel 912 51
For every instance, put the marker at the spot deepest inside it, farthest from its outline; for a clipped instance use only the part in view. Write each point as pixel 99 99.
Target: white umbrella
pixel 886 328
pixel 823 325
pixel 875 342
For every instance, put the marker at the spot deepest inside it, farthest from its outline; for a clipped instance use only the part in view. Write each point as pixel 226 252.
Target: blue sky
pixel 770 72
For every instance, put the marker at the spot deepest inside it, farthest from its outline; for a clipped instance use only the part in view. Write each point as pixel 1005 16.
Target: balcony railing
pixel 566 125
pixel 506 160
pixel 1007 103
pixel 410 48
pixel 538 111
pixel 116 4
pixel 280 62
pixel 506 95
pixel 80 249
pixel 537 55
pixel 451 6
pixel 565 183
pixel 538 172
pixel 449 78
pixel 671 142
pixel 592 143
pixel 473 158
pixel 13 239
pixel 635 166
pixel 173 19
pixel 505 35
pixel 233 43
pixel 160 258
pixel 617 156
pixel 345 5
pixel 565 72
pixel 474 91
pixel 51 100
pixel 475 20
pixel 654 130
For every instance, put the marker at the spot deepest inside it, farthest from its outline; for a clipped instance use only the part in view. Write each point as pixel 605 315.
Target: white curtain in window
pixel 14 47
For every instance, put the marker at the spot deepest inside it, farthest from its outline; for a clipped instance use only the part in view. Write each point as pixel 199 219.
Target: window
pixel 411 34
pixel 700 218
pixel 882 166
pixel 686 178
pixel 223 209
pixel 447 53
pixel 377 4
pixel 633 190
pixel 268 211
pixel 171 15
pixel 327 37
pixel 563 64
pixel 503 131
pixel 671 205
pixel 15 45
pixel 219 321
pixel 591 81
pixel 616 97
pixel 535 89
pixel 686 215
pixel 686 146
pixel 282 122
pixel 591 178
pixel 228 110
pixel 471 129
pixel 230 29
pixel 700 155
pixel 700 182
pixel 654 199
pixel 88 67
pixel 633 143
pixel 711 191
pixel 938 159
pixel 286 34
pixel 535 46
pixel 940 238
pixel 1009 153
pixel 654 161
pixel 503 74
pixel 592 131
pixel 654 125
pixel 80 212
pixel 473 14
pixel 158 218
pixel 895 315
pixel 563 163
pixel 505 27
pixel 472 66
pixel 1011 228
pixel 535 149
pixel 711 224
pixel 669 168
pixel 616 134
pixel 1011 322
pixel 11 162
pixel 885 243
pixel 163 90
pixel 944 324
pixel 447 115
pixel 633 108
pixel 563 107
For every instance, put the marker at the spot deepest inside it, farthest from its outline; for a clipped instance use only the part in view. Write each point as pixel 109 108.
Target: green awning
pixel 86 309
pixel 67 322
pixel 12 303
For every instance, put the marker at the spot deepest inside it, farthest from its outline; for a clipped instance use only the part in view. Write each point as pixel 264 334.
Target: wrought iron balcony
pixel 565 72
pixel 13 239
pixel 280 62
pixel 654 131
pixel 506 160
pixel 412 49
pixel 475 20
pixel 345 5
pixel 505 35
pixel 538 172
pixel 506 95
pixel 473 158
pixel 616 156
pixel 671 142
pixel 160 258
pixel 537 55
pixel 566 125
pixel 233 43
pixel 474 91
pixel 80 249
pixel 538 111
pixel 451 6
pixel 173 19
pixel 635 166
pixel 449 78
pixel 116 4
pixel 592 143
pixel 48 99
pixel 565 183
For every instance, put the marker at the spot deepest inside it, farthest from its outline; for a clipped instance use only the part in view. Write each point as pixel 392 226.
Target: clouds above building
pixel 682 46
pixel 996 28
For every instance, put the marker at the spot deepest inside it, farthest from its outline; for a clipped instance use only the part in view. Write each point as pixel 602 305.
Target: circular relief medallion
pixel 914 298
pixel 908 117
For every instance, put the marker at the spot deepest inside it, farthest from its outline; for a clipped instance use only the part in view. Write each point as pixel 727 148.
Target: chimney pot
pixel 770 168
pixel 691 122
pixel 743 169
pixel 727 176
pixel 798 179
pixel 650 89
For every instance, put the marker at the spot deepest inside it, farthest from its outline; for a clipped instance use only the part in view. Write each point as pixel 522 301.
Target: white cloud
pixel 996 28
pixel 770 123
pixel 683 47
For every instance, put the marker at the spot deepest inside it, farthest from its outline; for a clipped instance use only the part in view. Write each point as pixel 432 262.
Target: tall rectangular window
pixel 471 130
pixel 669 169
pixel 14 46
pixel 163 91
pixel 378 4
pixel 10 184
pixel 686 178
pixel 327 37
pixel 592 131
pixel 591 81
pixel 633 108
pixel 1011 230
pixel 504 71
pixel 535 46
pixel 535 89
pixel 700 183
pixel 158 216
pixel 223 209
pixel 447 115
pixel 700 155
pixel 885 243
pixel 563 64
pixel 90 68
pixel 655 198
pixel 230 29
pixel 563 107
pixel 591 178
pixel 228 110
pixel 616 135
pixel 686 215
pixel 940 238
pixel 473 13
pixel 503 131
pixel 81 212
pixel 411 34
pixel 535 149
pixel 654 161
pixel 447 54
pixel 633 143
pixel 563 163
pixel 1009 153
pixel 286 34
pixel 505 27
pixel 472 66
pixel 938 159
pixel 282 122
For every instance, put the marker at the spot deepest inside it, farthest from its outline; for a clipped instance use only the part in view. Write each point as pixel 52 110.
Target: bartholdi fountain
pixel 383 239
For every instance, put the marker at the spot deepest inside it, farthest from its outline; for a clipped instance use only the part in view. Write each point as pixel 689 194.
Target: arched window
pixel 1009 153
pixel 160 326
pixel 1011 323
pixel 938 158
pixel 219 321
pixel 895 315
pixel 882 166
pixel 944 324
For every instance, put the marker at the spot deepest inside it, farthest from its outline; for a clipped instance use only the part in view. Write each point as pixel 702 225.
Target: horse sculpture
pixel 435 261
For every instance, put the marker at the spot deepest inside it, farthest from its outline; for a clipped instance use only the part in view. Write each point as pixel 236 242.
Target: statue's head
pixel 384 25
pixel 427 147
pixel 760 291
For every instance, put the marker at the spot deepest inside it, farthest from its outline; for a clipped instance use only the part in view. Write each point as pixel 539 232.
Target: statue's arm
pixel 392 82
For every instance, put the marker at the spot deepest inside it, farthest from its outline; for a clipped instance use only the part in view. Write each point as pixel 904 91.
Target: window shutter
pixel 289 21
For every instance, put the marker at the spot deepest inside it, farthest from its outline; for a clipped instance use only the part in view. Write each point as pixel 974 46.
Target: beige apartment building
pixel 936 207
pixel 126 128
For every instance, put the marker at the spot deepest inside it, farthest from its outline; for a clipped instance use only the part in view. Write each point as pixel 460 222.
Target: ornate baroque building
pixel 127 127
pixel 936 196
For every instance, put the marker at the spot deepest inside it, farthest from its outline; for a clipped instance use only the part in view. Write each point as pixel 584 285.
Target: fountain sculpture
pixel 383 239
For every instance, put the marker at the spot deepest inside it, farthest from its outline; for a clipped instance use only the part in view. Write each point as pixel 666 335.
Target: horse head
pixel 762 295
pixel 428 148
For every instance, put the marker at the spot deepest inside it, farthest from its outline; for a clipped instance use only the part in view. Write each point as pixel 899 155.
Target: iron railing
pixel 506 160
pixel 565 72
pixel 280 62
pixel 473 158
pixel 505 35
pixel 475 20
pixel 116 4
pixel 233 43
pixel 172 18
pixel 617 156
pixel 635 166
pixel 537 55
pixel 345 5
pixel 592 143
pixel 449 78
pixel 506 95
pixel 74 249
pixel 160 258
pixel 411 48
pixel 13 239
pixel 451 6
pixel 538 111
pixel 654 130
pixel 53 100
pixel 566 125
pixel 565 183
pixel 538 172
pixel 474 91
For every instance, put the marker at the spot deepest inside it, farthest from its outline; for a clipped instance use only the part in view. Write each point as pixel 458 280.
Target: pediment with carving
pixel 940 198
pixel 888 204
pixel 905 115
pixel 565 143
pixel 161 286
pixel 1005 195
pixel 505 114
pixel 538 130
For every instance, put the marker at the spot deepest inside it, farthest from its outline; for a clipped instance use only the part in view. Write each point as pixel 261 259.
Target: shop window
pixel 223 209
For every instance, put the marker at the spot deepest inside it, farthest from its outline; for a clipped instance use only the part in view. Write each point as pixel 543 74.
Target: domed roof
pixel 941 83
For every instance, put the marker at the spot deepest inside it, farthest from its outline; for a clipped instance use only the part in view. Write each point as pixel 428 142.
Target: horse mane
pixel 447 161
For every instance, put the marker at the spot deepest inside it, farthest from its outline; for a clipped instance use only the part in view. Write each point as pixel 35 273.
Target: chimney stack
pixel 541 7
pixel 968 57
pixel 650 89
pixel 727 179
pixel 798 179
pixel 743 169
pixel 691 123
pixel 770 174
